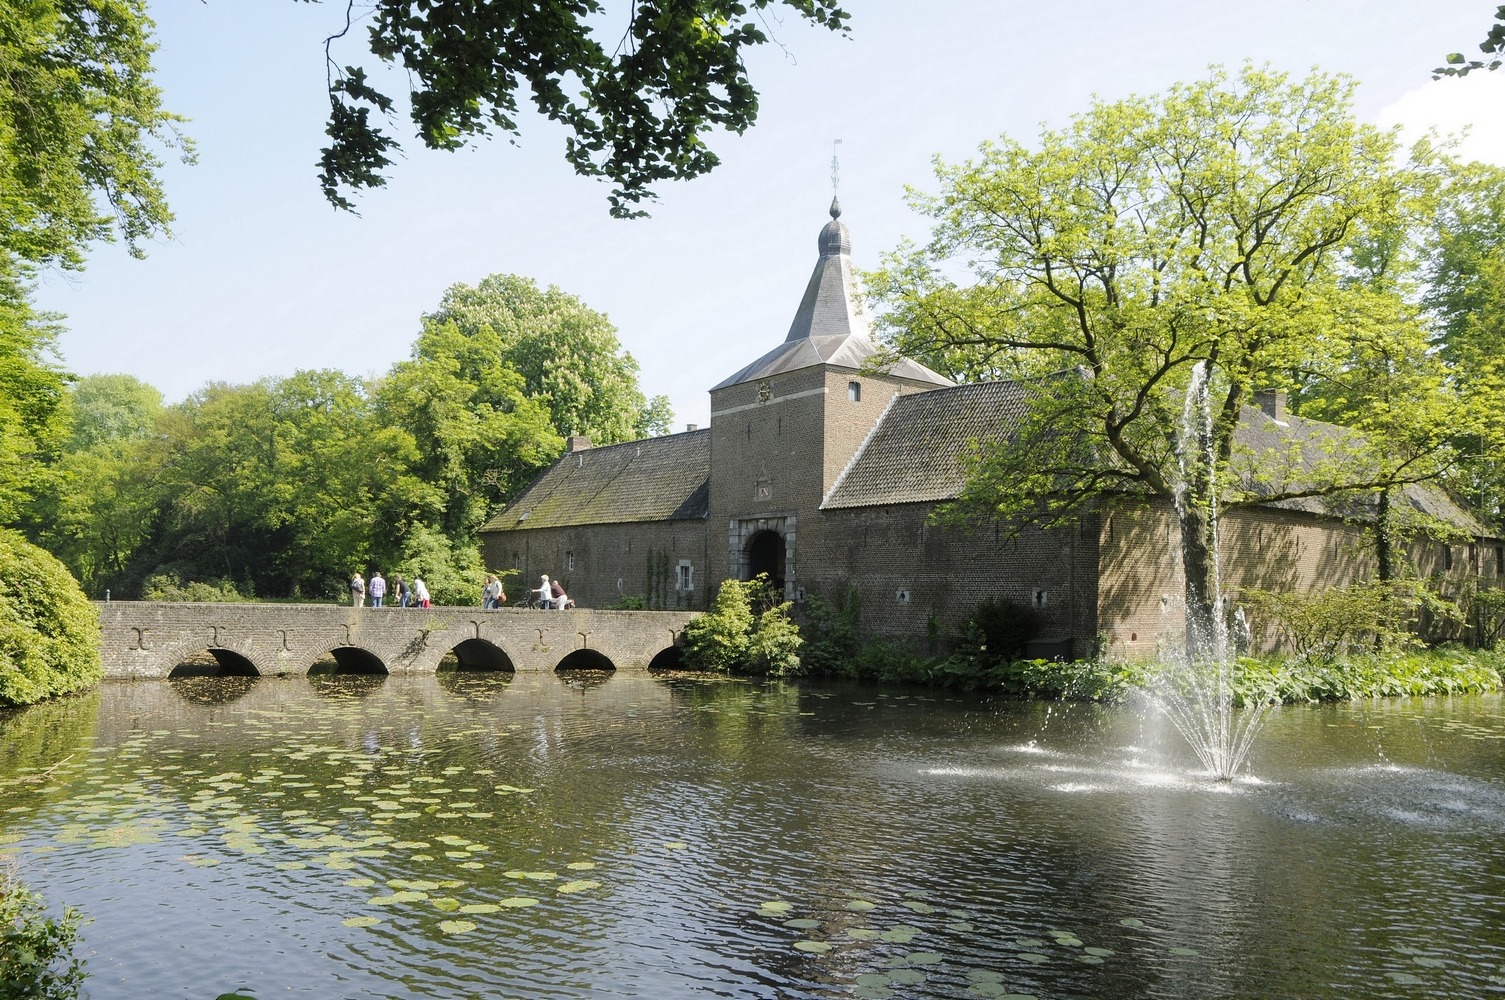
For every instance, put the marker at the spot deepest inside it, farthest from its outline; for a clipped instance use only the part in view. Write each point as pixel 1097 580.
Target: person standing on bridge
pixel 378 589
pixel 400 589
pixel 357 590
pixel 420 592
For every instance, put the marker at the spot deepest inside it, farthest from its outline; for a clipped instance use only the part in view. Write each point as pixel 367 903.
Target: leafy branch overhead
pixel 637 106
pixel 1493 45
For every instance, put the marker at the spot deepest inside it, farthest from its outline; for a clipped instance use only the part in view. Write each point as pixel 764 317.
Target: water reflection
pixel 486 833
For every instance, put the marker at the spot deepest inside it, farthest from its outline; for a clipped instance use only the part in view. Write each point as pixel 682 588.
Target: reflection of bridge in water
pixel 150 639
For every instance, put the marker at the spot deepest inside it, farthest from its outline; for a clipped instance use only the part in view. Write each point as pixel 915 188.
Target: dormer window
pixel 854 391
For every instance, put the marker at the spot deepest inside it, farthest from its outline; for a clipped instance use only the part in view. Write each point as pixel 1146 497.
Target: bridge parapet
pixel 150 638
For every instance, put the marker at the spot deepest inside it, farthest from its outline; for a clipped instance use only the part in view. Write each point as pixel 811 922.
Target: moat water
pixel 606 836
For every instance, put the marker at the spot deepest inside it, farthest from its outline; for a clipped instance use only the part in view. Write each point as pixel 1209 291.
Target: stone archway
pixel 764 545
pixel 766 555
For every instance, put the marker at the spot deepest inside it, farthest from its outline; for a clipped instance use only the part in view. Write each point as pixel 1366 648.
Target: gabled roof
pixel 830 326
pixel 655 479
pixel 915 454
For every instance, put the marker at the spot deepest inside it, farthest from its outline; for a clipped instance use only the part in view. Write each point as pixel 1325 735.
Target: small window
pixel 854 391
pixel 1500 560
pixel 1447 557
pixel 685 576
pixel 569 562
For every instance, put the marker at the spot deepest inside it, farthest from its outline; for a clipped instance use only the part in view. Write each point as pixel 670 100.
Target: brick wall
pixel 598 565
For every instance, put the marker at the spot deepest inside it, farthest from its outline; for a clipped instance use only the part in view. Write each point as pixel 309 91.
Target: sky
pixel 261 277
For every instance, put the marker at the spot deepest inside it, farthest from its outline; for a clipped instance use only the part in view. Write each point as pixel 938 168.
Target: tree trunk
pixel 1383 549
pixel 1198 561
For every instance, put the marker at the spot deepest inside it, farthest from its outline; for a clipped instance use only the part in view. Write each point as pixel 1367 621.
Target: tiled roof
pixel 915 453
pixel 656 479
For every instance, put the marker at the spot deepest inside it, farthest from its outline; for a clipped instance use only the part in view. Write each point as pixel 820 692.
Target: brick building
pixel 824 475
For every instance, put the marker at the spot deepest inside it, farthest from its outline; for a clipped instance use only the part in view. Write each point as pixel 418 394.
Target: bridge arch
pixel 585 659
pixel 476 654
pixel 347 660
pixel 214 661
pixel 668 658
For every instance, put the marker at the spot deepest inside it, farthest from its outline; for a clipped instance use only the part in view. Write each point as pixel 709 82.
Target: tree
pixel 1464 273
pixel 1171 256
pixel 100 503
pixel 1493 45
pixel 479 436
pixel 568 355
pixel 80 121
pixel 637 105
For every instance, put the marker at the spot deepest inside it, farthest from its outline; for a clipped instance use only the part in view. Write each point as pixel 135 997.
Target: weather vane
pixel 835 167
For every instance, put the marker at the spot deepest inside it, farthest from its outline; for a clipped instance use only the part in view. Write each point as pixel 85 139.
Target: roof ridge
pixel 871 431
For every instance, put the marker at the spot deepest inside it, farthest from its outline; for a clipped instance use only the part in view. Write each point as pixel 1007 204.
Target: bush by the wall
pixel 747 631
pixel 49 632
pixel 1376 618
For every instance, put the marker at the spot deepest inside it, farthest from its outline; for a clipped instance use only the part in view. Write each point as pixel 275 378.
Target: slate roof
pixel 830 326
pixel 915 452
pixel 656 479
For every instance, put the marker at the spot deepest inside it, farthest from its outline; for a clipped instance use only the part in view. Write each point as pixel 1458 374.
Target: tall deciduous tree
pixel 637 87
pixel 568 355
pixel 1202 238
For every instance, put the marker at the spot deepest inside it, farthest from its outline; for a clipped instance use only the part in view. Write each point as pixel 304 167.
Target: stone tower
pixel 784 428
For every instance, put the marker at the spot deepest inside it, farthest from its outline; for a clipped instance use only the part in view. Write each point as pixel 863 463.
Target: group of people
pixel 550 593
pixel 415 595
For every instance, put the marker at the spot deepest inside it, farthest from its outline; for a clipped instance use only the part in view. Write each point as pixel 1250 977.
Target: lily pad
pixel 907 977
pixel 517 902
pixel 924 958
pixel 775 906
pixel 802 923
pixel 813 947
pixel 1034 958
pixel 860 905
pixel 456 926
pixel 361 921
pixel 579 885
pixel 480 908
pixel 581 866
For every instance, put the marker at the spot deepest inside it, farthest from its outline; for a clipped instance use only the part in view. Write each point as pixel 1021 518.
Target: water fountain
pixel 1195 690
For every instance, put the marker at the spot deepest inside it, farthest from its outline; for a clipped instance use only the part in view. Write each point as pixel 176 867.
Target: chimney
pixel 691 427
pixel 576 442
pixel 1273 402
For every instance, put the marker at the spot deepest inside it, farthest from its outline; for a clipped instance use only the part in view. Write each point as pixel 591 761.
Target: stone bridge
pixel 154 639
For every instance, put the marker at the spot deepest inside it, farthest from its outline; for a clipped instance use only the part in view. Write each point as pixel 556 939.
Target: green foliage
pixel 1492 46
pixel 80 121
pixel 452 572
pixel 32 398
pixel 746 631
pixel 1216 226
pixel 170 587
pixel 36 950
pixel 636 98
pixel 49 632
pixel 830 633
pixel 566 354
pixel 626 603
pixel 1322 626
pixel 1414 673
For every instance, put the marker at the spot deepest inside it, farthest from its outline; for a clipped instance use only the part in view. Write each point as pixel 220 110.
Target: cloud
pixel 1467 107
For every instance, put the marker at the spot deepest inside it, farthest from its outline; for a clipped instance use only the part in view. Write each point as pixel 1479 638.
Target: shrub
pixel 747 631
pixel 36 951
pixel 830 635
pixel 49 632
pixel 1374 618
pixel 170 587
